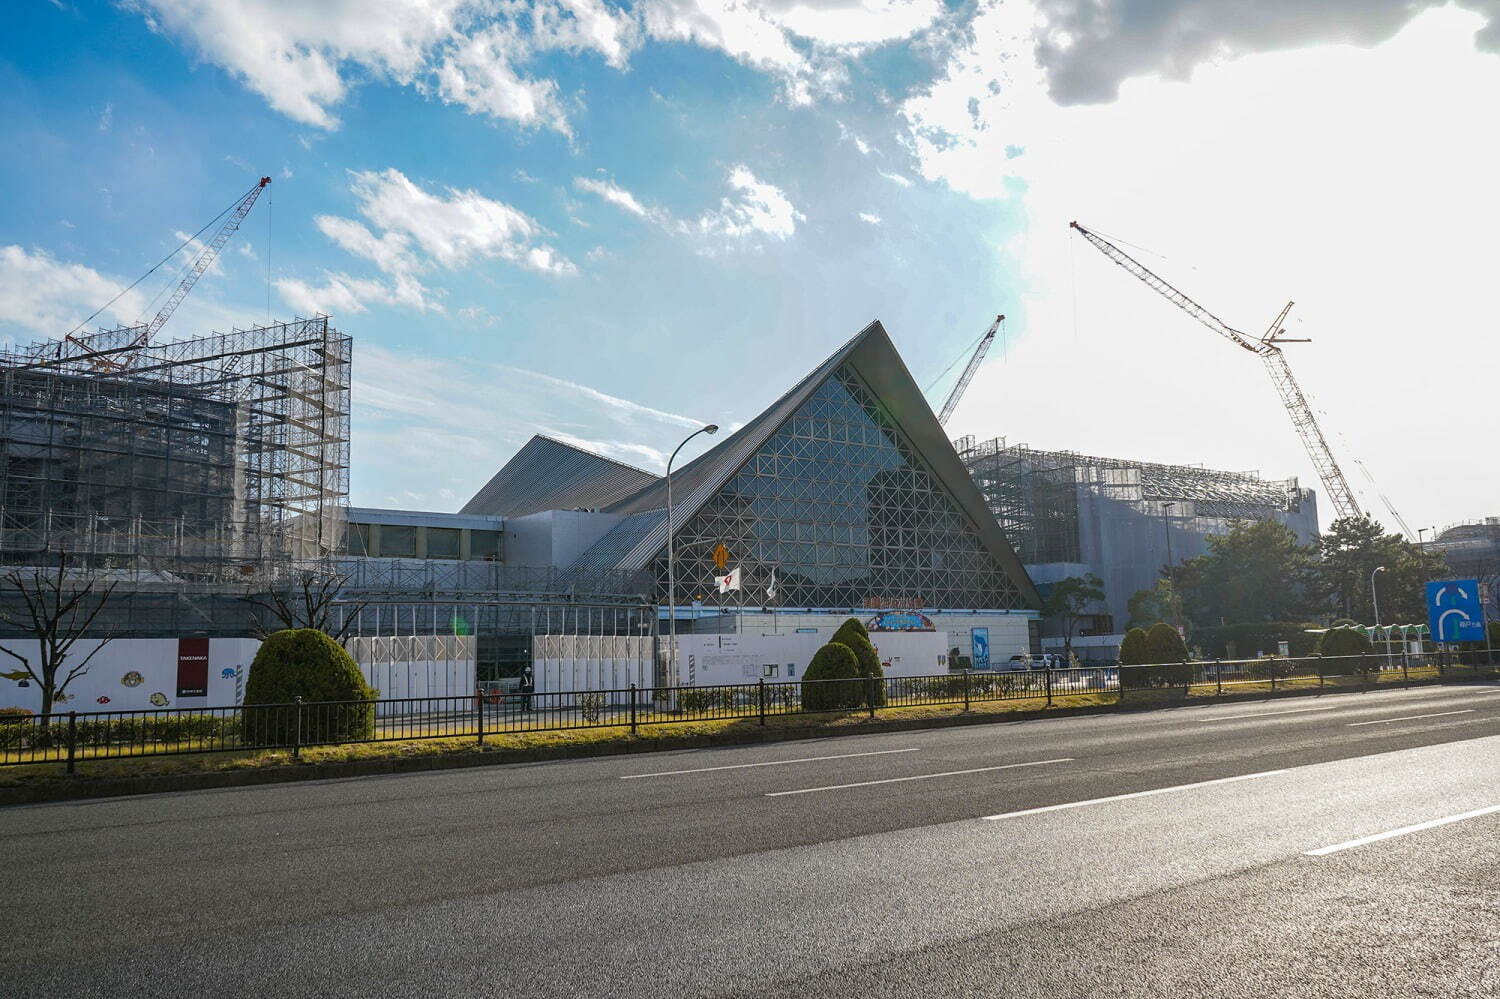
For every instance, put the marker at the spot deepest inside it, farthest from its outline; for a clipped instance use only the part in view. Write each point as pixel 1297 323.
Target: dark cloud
pixel 1089 47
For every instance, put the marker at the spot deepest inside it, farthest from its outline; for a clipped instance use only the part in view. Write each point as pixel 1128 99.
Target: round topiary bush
pixel 853 634
pixel 338 705
pixel 1344 642
pixel 1163 648
pixel 832 680
pixel 1133 649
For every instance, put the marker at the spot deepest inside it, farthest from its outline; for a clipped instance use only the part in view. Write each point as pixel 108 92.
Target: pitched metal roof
pixel 875 359
pixel 549 474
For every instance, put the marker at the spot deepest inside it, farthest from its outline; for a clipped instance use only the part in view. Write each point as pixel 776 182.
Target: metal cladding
pixel 548 474
pixel 846 486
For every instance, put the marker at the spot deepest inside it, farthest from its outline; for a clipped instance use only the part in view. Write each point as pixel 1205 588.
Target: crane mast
pixel 1267 346
pixel 968 375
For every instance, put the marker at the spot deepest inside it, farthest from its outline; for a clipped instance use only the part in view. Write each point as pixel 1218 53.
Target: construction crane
pixel 968 375
pixel 236 215
pixel 1267 346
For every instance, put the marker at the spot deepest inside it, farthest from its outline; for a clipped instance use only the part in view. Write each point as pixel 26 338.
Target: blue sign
pixel 981 639
pixel 900 621
pixel 1454 611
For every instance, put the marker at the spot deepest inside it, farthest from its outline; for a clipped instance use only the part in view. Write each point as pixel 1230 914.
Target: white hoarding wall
pixel 139 673
pixel 144 673
pixel 565 663
pixel 723 659
pixel 404 666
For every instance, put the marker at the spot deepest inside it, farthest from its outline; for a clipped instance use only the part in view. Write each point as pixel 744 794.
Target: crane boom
pixel 1306 425
pixel 968 375
pixel 204 261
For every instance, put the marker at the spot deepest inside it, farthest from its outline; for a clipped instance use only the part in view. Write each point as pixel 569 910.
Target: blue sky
pixel 607 222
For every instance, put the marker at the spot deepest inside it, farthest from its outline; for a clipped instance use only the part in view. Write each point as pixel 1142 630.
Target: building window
pixel 398 541
pixel 485 545
pixel 359 539
pixel 442 542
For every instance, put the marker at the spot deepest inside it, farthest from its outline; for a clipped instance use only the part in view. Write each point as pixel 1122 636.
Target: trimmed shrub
pixel 1269 667
pixel 1165 652
pixel 1344 642
pixel 1133 649
pixel 832 680
pixel 853 634
pixel 15 714
pixel 306 663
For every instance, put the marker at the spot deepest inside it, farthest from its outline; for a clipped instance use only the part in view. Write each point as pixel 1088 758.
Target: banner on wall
pixel 192 667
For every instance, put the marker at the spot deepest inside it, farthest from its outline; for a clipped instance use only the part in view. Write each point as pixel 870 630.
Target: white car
pixel 1047 660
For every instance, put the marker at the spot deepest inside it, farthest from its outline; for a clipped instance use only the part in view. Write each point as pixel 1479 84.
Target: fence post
pixel 1049 686
pixel 1364 668
pixel 1120 680
pixel 297 728
pixel 479 713
pixel 72 740
pixel 1405 676
pixel 634 697
pixel 1272 668
pixel 1218 678
pixel 966 690
pixel 760 693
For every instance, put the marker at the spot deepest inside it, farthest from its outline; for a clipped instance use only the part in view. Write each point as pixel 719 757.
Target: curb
pixel 77 788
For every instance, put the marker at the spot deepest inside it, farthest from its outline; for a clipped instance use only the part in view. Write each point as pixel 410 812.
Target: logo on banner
pixel 729 580
pixel 192 667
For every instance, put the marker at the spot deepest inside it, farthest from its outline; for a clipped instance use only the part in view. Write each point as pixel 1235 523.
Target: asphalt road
pixel 977 861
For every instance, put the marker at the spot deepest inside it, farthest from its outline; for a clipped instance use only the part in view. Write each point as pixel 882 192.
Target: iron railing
pixel 73 737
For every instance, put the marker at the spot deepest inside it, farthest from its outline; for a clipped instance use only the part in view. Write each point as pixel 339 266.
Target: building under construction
pixel 1067 514
pixel 189 473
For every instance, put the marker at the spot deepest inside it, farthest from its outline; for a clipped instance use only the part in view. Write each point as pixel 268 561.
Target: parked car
pixel 1047 660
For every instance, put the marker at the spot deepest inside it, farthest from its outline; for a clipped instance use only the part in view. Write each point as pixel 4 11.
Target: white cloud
pixel 192 250
pixel 46 297
pixel 870 217
pixel 896 178
pixel 613 193
pixel 479 73
pixel 303 57
pixel 412 231
pixel 753 208
pixel 1376 237
pixel 106 117
pixel 432 431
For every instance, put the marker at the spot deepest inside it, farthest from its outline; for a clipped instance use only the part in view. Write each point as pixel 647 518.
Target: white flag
pixel 729 580
pixel 771 589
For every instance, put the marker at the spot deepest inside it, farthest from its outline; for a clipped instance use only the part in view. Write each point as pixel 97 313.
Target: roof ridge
pixel 594 454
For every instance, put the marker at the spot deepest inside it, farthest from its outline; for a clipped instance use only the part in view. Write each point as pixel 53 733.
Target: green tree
pixel 1160 603
pixel 832 680
pixel 1256 572
pixel 1068 600
pixel 1352 550
pixel 853 634
pixel 306 663
pixel 1165 645
pixel 1135 650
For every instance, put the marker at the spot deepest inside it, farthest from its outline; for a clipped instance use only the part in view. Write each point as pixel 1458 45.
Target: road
pixel 1166 853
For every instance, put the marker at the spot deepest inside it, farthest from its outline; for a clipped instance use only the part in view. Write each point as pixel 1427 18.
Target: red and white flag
pixel 729 580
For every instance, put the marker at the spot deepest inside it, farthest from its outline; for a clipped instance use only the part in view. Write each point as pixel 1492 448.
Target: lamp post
pixel 1166 526
pixel 1375 600
pixel 711 429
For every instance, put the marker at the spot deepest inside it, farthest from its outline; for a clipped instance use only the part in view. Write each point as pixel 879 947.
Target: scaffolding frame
pixel 221 459
pixel 1035 494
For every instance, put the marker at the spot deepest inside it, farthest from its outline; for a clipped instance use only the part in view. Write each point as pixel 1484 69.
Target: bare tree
pixel 55 606
pixel 306 603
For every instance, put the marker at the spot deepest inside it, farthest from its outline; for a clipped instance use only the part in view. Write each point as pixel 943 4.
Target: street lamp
pixel 711 429
pixel 1375 597
pixel 1167 529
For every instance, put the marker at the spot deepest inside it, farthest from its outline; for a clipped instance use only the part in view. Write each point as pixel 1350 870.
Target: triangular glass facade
pixel 848 515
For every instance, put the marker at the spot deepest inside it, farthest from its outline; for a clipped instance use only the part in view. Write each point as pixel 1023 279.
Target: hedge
pixel 821 686
pixel 1242 641
pixel 1344 642
pixel 853 634
pixel 308 664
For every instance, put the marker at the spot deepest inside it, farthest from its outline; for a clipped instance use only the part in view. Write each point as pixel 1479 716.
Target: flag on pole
pixel 729 580
pixel 771 589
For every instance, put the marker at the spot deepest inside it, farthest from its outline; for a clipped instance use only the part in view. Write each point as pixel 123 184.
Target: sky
pixel 611 224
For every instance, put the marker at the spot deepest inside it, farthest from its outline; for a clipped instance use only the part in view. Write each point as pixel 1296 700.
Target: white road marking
pixel 1325 851
pixel 1276 714
pixel 1136 794
pixel 1387 721
pixel 898 780
pixel 769 763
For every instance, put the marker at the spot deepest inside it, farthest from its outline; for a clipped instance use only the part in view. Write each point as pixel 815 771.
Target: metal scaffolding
pixel 221 460
pixel 1035 495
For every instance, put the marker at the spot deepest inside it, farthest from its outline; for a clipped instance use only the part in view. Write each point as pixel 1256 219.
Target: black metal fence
pixel 75 737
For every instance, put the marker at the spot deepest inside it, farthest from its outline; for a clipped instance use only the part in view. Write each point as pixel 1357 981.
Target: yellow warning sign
pixel 721 557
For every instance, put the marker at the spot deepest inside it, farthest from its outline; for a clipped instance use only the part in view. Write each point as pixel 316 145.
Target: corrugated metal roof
pixel 548 474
